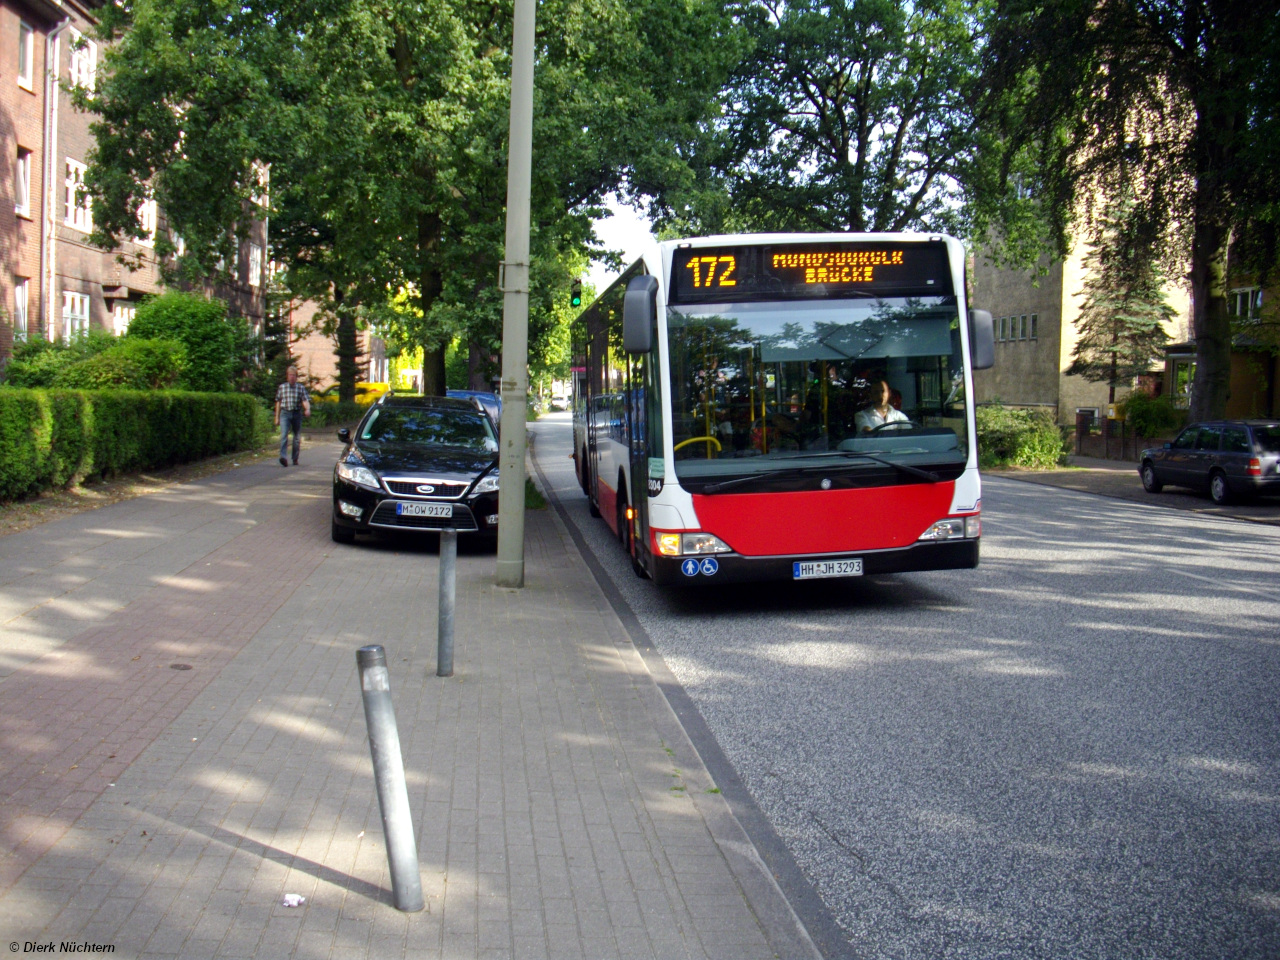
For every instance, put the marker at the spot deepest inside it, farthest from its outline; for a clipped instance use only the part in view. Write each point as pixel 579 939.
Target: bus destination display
pixel 811 271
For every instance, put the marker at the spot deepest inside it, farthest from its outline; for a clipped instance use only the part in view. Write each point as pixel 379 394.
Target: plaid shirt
pixel 291 396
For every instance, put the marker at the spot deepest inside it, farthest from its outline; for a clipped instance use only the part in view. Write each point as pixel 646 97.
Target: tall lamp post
pixel 514 281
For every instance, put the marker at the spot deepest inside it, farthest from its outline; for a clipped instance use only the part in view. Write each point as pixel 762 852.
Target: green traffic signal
pixel 575 293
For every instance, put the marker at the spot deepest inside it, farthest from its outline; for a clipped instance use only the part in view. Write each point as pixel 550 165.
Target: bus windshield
pixel 758 386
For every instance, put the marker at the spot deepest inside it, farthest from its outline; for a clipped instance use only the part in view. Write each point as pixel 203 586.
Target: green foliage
pixel 845 115
pixel 1018 438
pixel 384 124
pixel 201 326
pixel 128 365
pixel 1176 102
pixel 52 437
pixel 37 362
pixel 337 414
pixel 1123 316
pixel 1148 416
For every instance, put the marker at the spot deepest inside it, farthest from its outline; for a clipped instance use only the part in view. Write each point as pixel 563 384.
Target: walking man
pixel 292 403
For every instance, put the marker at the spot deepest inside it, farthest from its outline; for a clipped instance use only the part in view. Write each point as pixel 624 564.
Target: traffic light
pixel 575 293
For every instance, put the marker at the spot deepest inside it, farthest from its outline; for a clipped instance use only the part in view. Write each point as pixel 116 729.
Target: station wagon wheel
pixel 1150 482
pixel 1219 492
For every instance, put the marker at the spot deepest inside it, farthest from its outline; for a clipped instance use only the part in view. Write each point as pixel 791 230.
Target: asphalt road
pixel 1072 751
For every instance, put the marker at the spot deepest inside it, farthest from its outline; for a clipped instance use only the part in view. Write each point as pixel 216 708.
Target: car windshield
pixel 430 427
pixel 755 385
pixel 1268 438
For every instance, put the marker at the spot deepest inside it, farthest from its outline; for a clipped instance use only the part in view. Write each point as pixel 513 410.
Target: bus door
pixel 638 453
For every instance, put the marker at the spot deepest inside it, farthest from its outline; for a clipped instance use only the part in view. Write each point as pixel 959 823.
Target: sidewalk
pixel 183 743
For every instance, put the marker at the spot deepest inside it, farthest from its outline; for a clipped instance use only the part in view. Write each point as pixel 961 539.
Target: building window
pixel 147 219
pixel 1022 327
pixel 255 265
pixel 79 212
pixel 26 55
pixel 1035 317
pixel 20 308
pixel 84 60
pixel 75 315
pixel 1002 328
pixel 1246 303
pixel 1184 372
pixel 22 184
pixel 122 314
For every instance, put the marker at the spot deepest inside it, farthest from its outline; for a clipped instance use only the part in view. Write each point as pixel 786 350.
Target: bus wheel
pixel 624 528
pixel 583 473
pixel 592 507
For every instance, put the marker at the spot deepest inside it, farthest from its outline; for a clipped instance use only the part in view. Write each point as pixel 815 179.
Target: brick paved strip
pixel 73 720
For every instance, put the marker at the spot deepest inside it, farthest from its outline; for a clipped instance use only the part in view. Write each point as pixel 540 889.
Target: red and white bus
pixel 784 406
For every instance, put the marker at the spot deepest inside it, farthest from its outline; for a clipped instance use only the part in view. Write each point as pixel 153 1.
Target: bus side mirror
pixel 982 340
pixel 639 311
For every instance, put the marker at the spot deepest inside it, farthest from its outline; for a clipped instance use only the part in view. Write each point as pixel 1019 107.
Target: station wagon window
pixel 1267 438
pixel 1208 439
pixel 1235 440
pixel 1186 439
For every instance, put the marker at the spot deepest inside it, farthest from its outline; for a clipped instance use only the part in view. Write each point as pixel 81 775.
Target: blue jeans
pixel 290 420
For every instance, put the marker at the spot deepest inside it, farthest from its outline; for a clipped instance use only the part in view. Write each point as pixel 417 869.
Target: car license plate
pixel 424 509
pixel 816 569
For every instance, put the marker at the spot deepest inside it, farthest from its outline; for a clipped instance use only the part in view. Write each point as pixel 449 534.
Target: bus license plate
pixel 424 509
pixel 815 569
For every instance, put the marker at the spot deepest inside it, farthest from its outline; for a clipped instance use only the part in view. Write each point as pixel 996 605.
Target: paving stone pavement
pixel 182 743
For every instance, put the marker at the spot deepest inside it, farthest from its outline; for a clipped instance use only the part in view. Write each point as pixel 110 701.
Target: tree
pixel 847 115
pixel 1174 99
pixel 383 125
pixel 1123 316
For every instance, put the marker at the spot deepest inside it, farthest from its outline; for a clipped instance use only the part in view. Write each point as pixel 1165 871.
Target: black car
pixel 1228 458
pixel 417 463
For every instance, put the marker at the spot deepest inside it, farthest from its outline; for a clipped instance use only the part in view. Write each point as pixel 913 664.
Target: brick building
pixel 70 285
pixel 25 38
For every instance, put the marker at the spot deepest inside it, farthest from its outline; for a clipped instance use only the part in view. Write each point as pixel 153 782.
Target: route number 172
pixel 724 278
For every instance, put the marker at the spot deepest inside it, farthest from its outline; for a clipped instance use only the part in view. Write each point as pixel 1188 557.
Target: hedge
pixel 48 438
pixel 1021 438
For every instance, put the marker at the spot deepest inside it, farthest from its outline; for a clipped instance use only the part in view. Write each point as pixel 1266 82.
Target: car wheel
pixel 341 534
pixel 1219 492
pixel 1150 482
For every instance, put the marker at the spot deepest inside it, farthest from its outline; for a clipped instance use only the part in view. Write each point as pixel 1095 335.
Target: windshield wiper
pixel 845 454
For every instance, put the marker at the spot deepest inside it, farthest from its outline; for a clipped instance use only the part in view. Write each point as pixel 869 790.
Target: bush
pixel 129 365
pixel 201 326
pixel 1148 416
pixel 331 413
pixel 37 362
pixel 1018 438
pixel 51 437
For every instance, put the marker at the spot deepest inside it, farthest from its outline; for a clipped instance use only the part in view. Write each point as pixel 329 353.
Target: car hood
pixel 444 463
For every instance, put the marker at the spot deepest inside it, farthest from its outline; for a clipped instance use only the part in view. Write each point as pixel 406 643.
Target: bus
pixel 784 406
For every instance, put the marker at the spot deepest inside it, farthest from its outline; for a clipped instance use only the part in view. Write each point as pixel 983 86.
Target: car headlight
pixel 359 475
pixel 487 484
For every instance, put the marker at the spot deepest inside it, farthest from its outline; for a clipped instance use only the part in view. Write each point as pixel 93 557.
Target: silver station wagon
pixel 1227 458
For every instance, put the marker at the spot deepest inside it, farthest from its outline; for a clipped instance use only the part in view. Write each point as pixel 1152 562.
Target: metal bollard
pixel 448 590
pixel 388 772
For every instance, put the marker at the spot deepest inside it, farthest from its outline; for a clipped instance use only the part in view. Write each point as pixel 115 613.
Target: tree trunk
pixel 1210 321
pixel 431 284
pixel 478 368
pixel 346 349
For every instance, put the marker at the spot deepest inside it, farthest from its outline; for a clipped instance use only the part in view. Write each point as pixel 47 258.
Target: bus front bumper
pixel 733 568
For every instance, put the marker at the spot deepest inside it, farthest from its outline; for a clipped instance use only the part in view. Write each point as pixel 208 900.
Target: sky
pixel 627 231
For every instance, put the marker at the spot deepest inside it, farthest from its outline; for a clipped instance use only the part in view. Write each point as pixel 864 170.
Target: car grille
pixel 386 516
pixel 409 488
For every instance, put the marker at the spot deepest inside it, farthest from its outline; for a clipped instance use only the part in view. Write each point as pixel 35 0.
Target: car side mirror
pixel 982 339
pixel 639 311
pixel 344 435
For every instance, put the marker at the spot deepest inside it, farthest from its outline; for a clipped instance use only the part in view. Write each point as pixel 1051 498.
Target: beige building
pixel 1035 323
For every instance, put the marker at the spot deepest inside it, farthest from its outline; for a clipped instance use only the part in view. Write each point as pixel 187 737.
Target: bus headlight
pixel 954 528
pixel 690 544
